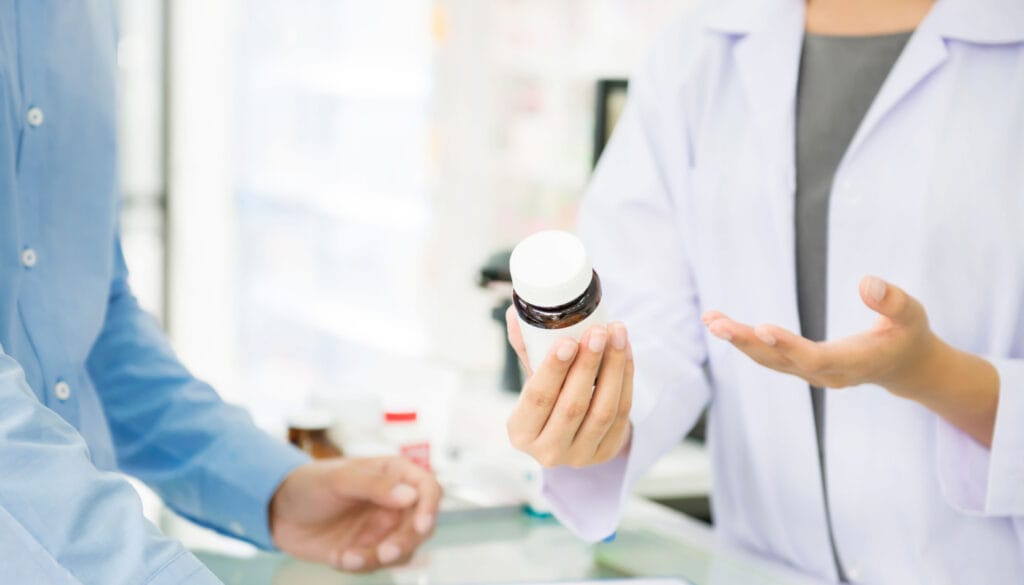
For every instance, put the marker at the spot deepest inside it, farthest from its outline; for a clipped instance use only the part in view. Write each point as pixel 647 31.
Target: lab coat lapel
pixel 767 59
pixel 924 53
pixel 994 22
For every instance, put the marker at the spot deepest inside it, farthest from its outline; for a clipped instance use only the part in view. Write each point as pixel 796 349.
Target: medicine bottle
pixel 556 292
pixel 308 430
pixel 406 436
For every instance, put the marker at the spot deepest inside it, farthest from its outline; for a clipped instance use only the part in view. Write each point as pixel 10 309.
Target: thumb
pixel 370 480
pixel 515 339
pixel 889 300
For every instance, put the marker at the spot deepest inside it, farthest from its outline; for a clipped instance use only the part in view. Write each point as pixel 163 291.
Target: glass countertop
pixel 508 546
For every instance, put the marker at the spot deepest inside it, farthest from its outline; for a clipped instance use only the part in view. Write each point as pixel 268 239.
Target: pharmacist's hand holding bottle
pixel 574 410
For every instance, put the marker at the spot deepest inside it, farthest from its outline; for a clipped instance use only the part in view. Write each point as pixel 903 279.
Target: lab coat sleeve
pixel 989 482
pixel 629 223
pixel 205 458
pixel 63 521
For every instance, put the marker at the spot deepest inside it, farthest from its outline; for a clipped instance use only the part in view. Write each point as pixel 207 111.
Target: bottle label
pixel 418 453
pixel 539 341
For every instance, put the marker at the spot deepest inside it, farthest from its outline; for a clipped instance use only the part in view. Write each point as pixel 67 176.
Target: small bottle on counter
pixel 309 431
pixel 406 436
pixel 556 292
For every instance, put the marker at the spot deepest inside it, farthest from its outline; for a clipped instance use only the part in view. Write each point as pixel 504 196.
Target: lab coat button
pixel 28 258
pixel 62 390
pixel 853 573
pixel 34 117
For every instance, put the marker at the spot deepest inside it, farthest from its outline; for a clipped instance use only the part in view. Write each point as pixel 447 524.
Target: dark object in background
pixel 309 432
pixel 611 100
pixel 495 272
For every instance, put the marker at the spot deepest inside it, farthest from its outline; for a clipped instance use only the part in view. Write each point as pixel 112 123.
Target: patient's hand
pixel 575 409
pixel 356 515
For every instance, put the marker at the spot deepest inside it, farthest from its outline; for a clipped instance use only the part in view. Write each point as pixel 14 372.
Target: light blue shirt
pixel 88 382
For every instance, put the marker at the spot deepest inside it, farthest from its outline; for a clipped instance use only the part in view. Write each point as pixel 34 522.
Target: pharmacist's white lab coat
pixel 692 209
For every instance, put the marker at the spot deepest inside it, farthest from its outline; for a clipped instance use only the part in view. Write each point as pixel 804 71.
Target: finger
pixel 742 336
pixel 574 400
pixel 604 406
pixel 371 556
pixel 711 316
pixel 831 364
pixel 399 546
pixel 616 438
pixel 375 480
pixel 387 544
pixel 515 339
pixel 380 522
pixel 802 352
pixel 430 494
pixel 890 301
pixel 394 548
pixel 540 394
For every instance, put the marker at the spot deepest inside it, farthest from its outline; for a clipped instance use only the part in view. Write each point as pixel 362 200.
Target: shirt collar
pixel 976 21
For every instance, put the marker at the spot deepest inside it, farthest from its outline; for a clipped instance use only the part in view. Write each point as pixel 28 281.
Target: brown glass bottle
pixel 308 431
pixel 556 291
pixel 565 315
pixel 316 443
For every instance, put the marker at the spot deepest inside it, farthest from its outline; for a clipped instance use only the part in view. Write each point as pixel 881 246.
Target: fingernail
pixel 388 553
pixel 876 289
pixel 721 334
pixel 598 338
pixel 766 337
pixel 619 337
pixel 424 523
pixel 351 561
pixel 566 350
pixel 404 494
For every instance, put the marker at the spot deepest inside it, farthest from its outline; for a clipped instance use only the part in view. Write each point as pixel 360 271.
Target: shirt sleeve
pixel 62 520
pixel 981 481
pixel 205 458
pixel 629 223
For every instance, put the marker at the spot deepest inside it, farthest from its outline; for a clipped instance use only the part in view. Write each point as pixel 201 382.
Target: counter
pixel 507 546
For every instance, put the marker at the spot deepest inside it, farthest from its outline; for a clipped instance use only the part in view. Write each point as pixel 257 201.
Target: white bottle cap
pixel 310 420
pixel 550 269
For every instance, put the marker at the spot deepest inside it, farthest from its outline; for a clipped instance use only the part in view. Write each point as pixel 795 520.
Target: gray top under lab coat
pixel 839 79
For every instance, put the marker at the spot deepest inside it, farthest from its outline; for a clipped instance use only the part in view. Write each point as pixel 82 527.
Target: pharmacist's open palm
pixel 356 515
pixel 574 410
pixel 894 352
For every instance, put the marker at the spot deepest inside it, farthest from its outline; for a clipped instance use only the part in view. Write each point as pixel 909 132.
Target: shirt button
pixel 237 528
pixel 62 390
pixel 34 117
pixel 28 258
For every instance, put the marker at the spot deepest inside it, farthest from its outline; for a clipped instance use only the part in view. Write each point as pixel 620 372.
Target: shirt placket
pixel 37 126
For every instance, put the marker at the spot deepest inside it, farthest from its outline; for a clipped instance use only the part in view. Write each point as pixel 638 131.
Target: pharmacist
pixel 787 173
pixel 89 384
